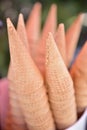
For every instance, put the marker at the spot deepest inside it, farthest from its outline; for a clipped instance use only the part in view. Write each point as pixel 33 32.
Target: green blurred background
pixel 67 11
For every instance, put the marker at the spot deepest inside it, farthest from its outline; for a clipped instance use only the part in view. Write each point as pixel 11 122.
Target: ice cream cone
pixel 15 119
pixel 60 87
pixel 60 41
pixel 79 75
pixel 49 26
pixel 27 83
pixel 72 37
pixel 21 30
pixel 33 27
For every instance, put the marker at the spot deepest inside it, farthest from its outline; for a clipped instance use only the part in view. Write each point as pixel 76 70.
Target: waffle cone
pixel 21 30
pixel 33 27
pixel 60 87
pixel 49 26
pixel 29 86
pixel 60 41
pixel 79 76
pixel 72 37
pixel 17 121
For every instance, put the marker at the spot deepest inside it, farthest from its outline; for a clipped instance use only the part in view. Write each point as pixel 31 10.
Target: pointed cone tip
pixel 50 47
pixel 50 36
pixel 61 25
pixel 20 16
pixel 54 6
pixel 53 9
pixel 9 24
pixel 82 15
pixel 49 40
pixel 37 5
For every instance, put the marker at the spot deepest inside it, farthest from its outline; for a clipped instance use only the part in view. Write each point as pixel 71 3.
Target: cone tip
pixel 49 39
pixel 9 23
pixel 61 25
pixel 54 6
pixel 20 15
pixel 20 18
pixel 82 14
pixel 49 35
pixel 37 5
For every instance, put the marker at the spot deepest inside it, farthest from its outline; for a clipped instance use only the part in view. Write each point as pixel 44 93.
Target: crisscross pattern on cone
pixel 79 76
pixel 15 119
pixel 28 85
pixel 33 27
pixel 72 36
pixel 49 26
pixel 60 87
pixel 21 30
pixel 60 41
pixel 18 119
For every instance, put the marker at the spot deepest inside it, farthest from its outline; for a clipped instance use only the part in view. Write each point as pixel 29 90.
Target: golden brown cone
pixel 28 85
pixel 15 118
pixel 60 87
pixel 49 26
pixel 79 75
pixel 60 41
pixel 21 30
pixel 72 36
pixel 33 27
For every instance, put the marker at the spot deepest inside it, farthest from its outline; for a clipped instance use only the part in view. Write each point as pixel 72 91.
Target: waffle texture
pixel 17 121
pixel 60 87
pixel 27 83
pixel 79 75
pixel 21 30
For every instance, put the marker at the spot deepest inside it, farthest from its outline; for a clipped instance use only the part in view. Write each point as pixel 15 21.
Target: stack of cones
pixel 79 74
pixel 15 117
pixel 43 94
pixel 26 85
pixel 33 28
pixel 50 26
pixel 60 87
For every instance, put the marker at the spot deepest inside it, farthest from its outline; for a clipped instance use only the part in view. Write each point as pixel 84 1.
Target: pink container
pixel 3 100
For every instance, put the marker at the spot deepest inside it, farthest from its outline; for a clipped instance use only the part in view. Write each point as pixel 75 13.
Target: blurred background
pixel 67 12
